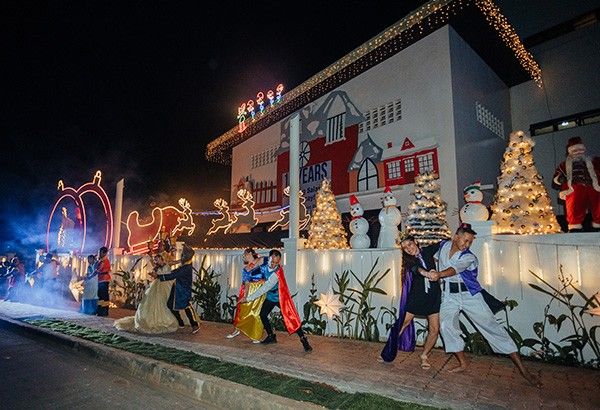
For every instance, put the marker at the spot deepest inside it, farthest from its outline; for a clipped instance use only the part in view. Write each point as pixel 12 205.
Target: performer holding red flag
pixel 277 294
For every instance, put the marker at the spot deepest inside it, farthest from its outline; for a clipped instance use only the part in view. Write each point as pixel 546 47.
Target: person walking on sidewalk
pixel 181 292
pixel 458 267
pixel 247 315
pixel 278 295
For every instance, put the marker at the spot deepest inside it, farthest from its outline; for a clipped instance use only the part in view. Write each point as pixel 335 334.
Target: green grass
pixel 285 386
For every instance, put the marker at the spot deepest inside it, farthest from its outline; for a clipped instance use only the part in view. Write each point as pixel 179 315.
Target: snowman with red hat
pixel 473 210
pixel 577 179
pixel 358 226
pixel 389 219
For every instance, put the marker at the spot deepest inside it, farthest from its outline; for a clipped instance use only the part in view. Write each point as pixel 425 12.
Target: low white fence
pixel 505 264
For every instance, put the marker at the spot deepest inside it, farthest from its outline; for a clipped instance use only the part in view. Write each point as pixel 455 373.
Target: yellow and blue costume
pixel 247 315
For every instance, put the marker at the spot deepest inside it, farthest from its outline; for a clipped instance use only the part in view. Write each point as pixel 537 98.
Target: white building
pixel 432 92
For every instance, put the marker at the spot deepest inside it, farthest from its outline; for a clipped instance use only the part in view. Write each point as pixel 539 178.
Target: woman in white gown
pixel 152 315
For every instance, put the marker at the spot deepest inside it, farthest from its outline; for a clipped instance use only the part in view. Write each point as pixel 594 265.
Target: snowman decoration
pixel 358 226
pixel 389 219
pixel 473 210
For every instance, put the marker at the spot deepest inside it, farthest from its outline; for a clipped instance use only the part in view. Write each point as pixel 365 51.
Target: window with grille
pixel 335 128
pixel 393 168
pixel 489 120
pixel 382 115
pixel 409 165
pixel 263 158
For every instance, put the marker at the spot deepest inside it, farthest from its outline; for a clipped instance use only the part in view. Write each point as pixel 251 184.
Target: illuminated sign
pixel 248 110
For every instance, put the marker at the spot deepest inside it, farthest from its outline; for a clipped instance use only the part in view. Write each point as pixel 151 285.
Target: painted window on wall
pixel 394 169
pixel 367 176
pixel 425 163
pixel 335 128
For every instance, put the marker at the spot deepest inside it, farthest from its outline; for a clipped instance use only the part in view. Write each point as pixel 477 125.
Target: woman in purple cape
pixel 420 297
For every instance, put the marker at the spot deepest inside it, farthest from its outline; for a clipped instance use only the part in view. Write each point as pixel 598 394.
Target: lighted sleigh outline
pixel 139 234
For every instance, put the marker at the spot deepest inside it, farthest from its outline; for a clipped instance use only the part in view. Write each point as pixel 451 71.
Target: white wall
pixel 478 149
pixel 570 71
pixel 420 76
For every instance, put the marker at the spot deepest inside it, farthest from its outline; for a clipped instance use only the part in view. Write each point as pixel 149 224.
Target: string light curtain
pixel 431 16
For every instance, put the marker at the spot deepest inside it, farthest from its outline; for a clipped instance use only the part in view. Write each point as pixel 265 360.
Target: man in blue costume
pixel 461 292
pixel 278 294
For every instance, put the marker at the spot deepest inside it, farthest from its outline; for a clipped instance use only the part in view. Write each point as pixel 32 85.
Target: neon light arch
pixel 77 196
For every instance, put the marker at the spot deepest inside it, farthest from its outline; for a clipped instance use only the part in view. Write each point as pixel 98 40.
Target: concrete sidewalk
pixel 352 366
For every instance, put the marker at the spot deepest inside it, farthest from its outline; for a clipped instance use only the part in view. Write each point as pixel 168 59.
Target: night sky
pixel 137 89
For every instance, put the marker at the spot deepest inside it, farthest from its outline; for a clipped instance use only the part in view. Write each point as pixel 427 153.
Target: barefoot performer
pixel 462 292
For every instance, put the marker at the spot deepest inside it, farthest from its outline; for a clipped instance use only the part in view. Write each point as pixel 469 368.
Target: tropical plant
pixel 345 319
pixel 569 349
pixel 276 320
pixel 360 324
pixel 390 313
pixel 313 322
pixel 229 307
pixel 129 287
pixel 206 293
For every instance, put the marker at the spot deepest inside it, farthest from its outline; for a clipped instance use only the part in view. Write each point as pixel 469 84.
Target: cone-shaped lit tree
pixel 326 230
pixel 427 212
pixel 522 204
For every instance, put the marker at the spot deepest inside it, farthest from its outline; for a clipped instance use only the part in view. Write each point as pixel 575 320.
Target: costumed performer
pixel 461 291
pixel 277 294
pixel 181 292
pixel 247 315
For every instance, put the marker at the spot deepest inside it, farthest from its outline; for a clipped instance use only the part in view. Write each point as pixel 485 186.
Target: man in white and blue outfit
pixel 461 291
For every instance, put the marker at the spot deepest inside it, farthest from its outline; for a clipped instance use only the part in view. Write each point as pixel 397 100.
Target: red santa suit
pixel 577 178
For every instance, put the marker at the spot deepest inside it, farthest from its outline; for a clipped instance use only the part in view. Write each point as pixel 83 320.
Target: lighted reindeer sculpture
pixel 245 220
pixel 284 214
pixel 224 221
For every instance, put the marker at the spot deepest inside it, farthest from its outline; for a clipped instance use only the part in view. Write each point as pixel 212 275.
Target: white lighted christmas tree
pixel 326 230
pixel 522 204
pixel 427 212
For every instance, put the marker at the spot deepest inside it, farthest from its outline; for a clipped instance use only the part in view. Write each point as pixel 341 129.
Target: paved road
pixel 36 374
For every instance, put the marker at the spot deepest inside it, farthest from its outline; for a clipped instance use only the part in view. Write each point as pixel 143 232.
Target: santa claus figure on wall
pixel 577 179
